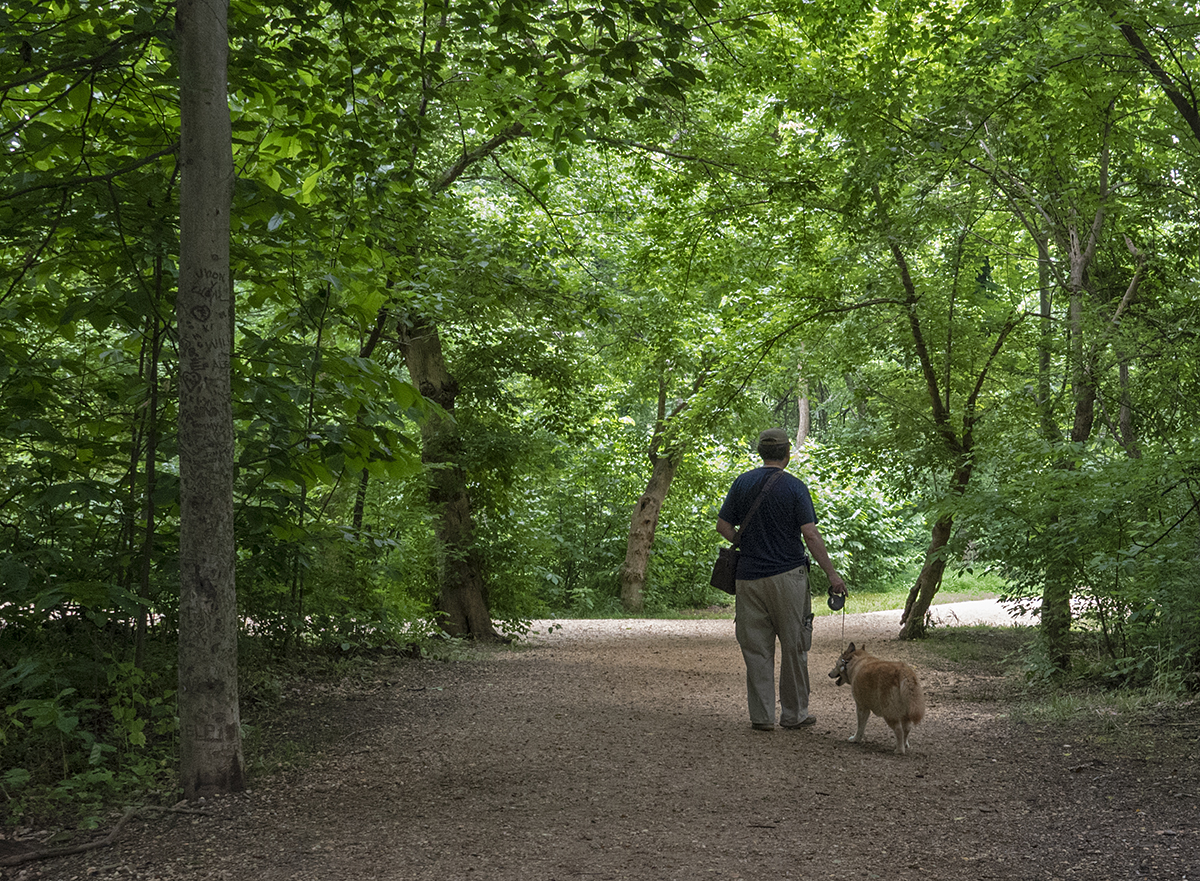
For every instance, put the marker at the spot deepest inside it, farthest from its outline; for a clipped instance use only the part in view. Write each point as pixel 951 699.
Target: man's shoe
pixel 803 723
pixel 762 726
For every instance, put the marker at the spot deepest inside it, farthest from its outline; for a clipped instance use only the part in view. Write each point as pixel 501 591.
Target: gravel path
pixel 621 751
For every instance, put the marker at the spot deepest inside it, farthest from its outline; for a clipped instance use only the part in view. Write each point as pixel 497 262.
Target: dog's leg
pixel 901 737
pixel 863 715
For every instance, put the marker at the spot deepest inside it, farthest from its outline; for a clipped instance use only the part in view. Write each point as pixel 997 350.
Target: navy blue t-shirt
pixel 773 543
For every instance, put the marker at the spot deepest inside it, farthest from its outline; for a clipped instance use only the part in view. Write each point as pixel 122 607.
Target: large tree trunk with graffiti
pixel 210 739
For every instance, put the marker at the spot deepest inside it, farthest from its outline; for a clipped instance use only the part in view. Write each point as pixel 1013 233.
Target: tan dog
pixel 888 689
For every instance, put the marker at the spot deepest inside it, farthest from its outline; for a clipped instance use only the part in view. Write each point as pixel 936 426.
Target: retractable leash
pixel 837 601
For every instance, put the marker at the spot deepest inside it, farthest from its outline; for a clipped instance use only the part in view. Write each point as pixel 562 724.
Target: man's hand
pixel 816 547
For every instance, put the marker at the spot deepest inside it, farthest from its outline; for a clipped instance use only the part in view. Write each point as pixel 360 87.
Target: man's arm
pixel 726 529
pixel 816 547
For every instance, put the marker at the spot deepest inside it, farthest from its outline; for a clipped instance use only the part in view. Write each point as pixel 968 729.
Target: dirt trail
pixel 622 750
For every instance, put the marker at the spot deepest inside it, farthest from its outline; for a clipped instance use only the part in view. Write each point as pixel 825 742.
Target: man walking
pixel 773 599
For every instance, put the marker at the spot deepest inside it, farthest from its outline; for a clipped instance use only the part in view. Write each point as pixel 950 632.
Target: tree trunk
pixel 1045 402
pixel 804 411
pixel 366 350
pixel 210 743
pixel 644 522
pixel 929 581
pixel 1080 251
pixel 1125 427
pixel 1056 609
pixel 920 597
pixel 1083 382
pixel 148 535
pixel 962 447
pixel 462 606
pixel 360 503
pixel 642 527
pixel 1059 586
pixel 1055 620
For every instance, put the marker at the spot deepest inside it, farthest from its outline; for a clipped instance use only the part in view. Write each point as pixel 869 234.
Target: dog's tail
pixel 912 699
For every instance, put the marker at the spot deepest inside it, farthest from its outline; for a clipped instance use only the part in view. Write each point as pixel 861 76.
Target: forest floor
pixel 622 750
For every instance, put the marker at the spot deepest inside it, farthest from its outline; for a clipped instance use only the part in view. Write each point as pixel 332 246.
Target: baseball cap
pixel 775 437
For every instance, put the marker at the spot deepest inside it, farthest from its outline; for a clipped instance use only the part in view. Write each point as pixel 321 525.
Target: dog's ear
pixel 851 648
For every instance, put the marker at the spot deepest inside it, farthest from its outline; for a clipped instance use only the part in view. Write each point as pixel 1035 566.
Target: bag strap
pixel 754 507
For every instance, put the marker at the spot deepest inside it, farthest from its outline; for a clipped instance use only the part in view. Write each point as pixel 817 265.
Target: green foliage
pixel 874 531
pixel 561 534
pixel 67 752
pixel 1125 526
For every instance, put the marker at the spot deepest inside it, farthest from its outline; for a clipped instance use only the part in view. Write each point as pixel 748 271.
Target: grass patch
pixel 891 600
pixel 990 651
pixel 1072 708
pixel 1122 718
pixel 964 588
pixel 958 587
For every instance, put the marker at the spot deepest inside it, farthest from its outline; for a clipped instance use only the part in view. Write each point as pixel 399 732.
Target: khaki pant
pixel 779 606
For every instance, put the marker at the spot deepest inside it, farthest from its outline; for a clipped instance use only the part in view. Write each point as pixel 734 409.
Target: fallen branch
pixel 51 853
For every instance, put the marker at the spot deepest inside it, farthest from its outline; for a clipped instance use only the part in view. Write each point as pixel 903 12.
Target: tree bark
pixel 929 581
pixel 959 444
pixel 643 524
pixel 1056 588
pixel 804 411
pixel 1125 429
pixel 1059 586
pixel 209 720
pixel 642 527
pixel 462 605
pixel 1045 400
pixel 366 350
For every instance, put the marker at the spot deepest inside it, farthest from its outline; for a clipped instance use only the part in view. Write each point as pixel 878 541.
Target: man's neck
pixel 775 463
